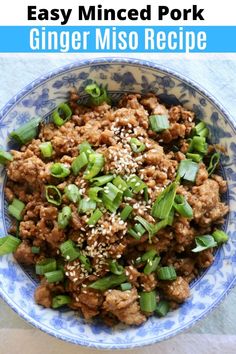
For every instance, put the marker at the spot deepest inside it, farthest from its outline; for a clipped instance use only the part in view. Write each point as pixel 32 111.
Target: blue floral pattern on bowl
pixel 122 75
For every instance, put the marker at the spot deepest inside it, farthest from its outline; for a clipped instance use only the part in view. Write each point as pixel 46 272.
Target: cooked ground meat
pixel 93 243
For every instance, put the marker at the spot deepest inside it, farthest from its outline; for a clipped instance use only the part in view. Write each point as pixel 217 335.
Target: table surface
pixel 213 334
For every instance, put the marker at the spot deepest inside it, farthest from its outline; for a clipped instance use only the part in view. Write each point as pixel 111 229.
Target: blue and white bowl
pixel 121 75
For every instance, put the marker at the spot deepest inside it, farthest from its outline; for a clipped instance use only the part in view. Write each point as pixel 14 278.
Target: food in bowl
pixel 118 206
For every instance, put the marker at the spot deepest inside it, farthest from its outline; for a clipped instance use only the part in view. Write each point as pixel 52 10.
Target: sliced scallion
pixel 61 114
pixel 8 244
pixel 98 94
pixel 158 122
pixel 115 267
pixel 220 236
pixel 64 217
pixel 26 132
pixel 151 265
pixel 148 301
pixel 45 265
pixel 126 212
pixel 86 205
pixel 164 202
pixel 162 308
pixel 108 282
pixel 101 180
pixel 137 145
pixel 201 130
pixel 204 242
pixel 86 148
pixel 148 226
pixel 79 162
pixel 93 194
pixel 120 183
pixel 59 170
pixel 135 183
pixel 60 300
pixel 96 163
pixel 35 249
pixel 73 193
pixel 188 170
pixel 53 195
pixel 198 144
pixel 166 273
pixel 148 255
pixel 214 161
pixel 54 276
pixel 5 157
pixel 182 206
pixel 68 250
pixel 46 149
pixel 194 157
pixel 16 208
pixel 125 286
pixel 96 215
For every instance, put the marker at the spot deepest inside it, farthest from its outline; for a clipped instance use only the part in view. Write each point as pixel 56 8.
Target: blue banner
pixel 126 39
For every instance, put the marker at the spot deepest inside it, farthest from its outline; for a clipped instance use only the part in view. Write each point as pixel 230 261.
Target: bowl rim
pixel 143 63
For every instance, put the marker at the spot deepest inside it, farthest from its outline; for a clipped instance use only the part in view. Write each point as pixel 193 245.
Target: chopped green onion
pixel 111 191
pixel 161 225
pixel 45 266
pixel 145 194
pixel 134 234
pixel 85 261
pixel 98 95
pixel 194 157
pixel 96 215
pixel 60 300
pixel 159 122
pixel 61 114
pixel 8 244
pixel 79 162
pixel 164 202
pixel 201 130
pixel 101 180
pixel 135 183
pixel 16 208
pixel 214 161
pixel 73 193
pixel 5 157
pixel 26 132
pixel 204 242
pixel 198 144
pixel 68 250
pixel 137 145
pixel 162 308
pixel 115 267
pixel 86 148
pixel 220 236
pixel 54 276
pixel 96 163
pixel 86 205
pixel 166 273
pixel 182 206
pixel 46 149
pixel 128 193
pixel 148 255
pixel 149 227
pixel 120 183
pixel 151 265
pixel 59 170
pixel 148 301
pixel 93 90
pixel 108 282
pixel 125 286
pixel 139 229
pixel 188 170
pixel 64 217
pixel 126 212
pixel 111 205
pixel 53 195
pixel 93 194
pixel 35 249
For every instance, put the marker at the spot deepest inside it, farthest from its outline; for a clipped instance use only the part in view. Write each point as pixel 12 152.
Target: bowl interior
pixel 39 99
